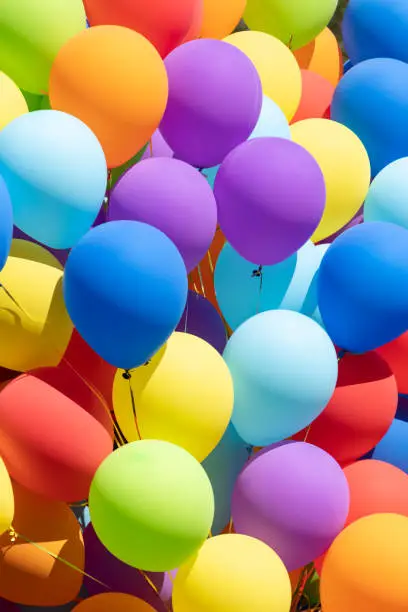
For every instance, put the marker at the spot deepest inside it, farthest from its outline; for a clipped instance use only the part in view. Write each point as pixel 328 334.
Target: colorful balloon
pixel 157 147
pixel 120 602
pixel 317 94
pixel 393 446
pixel 201 319
pixel 200 73
pixel 6 223
pixel 386 198
pixel 395 353
pixel 322 56
pixel 121 101
pixel 12 102
pixel 220 19
pixel 6 499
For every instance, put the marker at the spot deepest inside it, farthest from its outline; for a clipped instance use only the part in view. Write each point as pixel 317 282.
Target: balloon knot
pixel 257 273
pixel 127 375
pixel 147 362
pixel 13 535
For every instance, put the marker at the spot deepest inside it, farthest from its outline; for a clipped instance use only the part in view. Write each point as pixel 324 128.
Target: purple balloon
pixel 201 319
pixel 294 497
pixel 271 196
pixel 173 197
pixel 158 147
pixel 215 98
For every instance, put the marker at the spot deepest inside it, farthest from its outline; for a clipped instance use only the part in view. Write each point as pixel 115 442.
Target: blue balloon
pixel 387 196
pixel 55 172
pixel 243 290
pixel 125 289
pixel 363 286
pixel 284 369
pixel 372 100
pixel 393 448
pixel 6 223
pixel 376 28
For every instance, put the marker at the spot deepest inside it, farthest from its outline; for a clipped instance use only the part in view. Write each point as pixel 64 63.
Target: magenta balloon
pixel 271 196
pixel 157 147
pixel 173 197
pixel 215 98
pixel 294 497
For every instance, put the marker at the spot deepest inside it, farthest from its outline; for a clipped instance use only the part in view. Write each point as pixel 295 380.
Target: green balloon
pixel 33 101
pixel 31 34
pixel 294 22
pixel 151 505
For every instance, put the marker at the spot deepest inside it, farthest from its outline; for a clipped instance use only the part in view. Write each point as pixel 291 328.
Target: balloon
pixel 366 567
pixel 386 198
pixel 270 194
pixel 373 94
pixel 116 173
pixel 49 443
pixel 40 152
pixel 265 503
pixel 107 286
pixel 220 578
pixel 200 73
pixel 395 353
pixel 279 72
pixel 30 571
pixel 6 223
pixel 345 166
pixel 367 27
pixel 34 102
pixel 322 56
pixel 289 285
pixel 366 383
pixel 6 499
pixel 157 147
pixel 12 102
pixel 393 446
pixel 201 318
pixel 120 602
pixel 124 109
pixel 317 94
pixel 279 387
pixel 173 197
pixel 34 326
pixel 347 66
pixel 363 286
pixel 7 606
pixel 294 23
pixel 166 32
pixel 220 19
pixel 201 280
pixel 151 505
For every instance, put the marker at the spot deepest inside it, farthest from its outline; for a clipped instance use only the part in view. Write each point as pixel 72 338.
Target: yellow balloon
pixel 345 165
pixel 12 101
pixel 220 18
pixel 233 573
pixel 184 395
pixel 6 499
pixel 34 325
pixel 276 65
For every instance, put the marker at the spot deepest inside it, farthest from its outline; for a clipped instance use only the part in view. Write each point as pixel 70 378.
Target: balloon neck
pixel 257 273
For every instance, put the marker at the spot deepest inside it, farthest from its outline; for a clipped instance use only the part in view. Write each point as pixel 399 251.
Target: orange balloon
pixel 323 56
pixel 294 578
pixel 201 279
pixel 221 17
pixel 317 95
pixel 395 354
pixel 115 81
pixel 29 574
pixel 366 567
pixel 113 602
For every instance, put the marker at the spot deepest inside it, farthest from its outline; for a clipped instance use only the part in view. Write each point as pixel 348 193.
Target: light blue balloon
pixel 55 171
pixel 290 285
pixel 284 369
pixel 6 223
pixel 223 466
pixel 387 199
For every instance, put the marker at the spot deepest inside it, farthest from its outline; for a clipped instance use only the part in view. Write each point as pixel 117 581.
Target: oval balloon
pixel 201 319
pixel 385 200
pixel 120 602
pixel 6 499
pixel 317 95
pixel 157 147
pixel 322 56
pixel 12 101
pixel 6 223
pixel 392 447
pixel 218 19
pixel 395 353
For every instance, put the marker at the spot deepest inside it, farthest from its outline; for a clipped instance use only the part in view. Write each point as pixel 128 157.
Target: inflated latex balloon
pixel 12 102
pixel 386 199
pixel 345 166
pixel 34 325
pixel 220 18
pixel 157 147
pixel 33 101
pixel 322 56
pixel 124 108
pixel 40 152
pixel 220 578
pixel 6 499
pixel 395 354
pixel 6 223
pixel 277 67
pixel 393 446
pixel 125 288
pixel 106 602
pixel 317 94
pixel 202 319
pixel 151 505
pixel 363 286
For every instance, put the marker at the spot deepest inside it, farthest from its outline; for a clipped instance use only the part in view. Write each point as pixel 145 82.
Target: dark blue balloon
pixel 125 289
pixel 6 223
pixel 372 100
pixel 347 66
pixel 363 286
pixel 393 448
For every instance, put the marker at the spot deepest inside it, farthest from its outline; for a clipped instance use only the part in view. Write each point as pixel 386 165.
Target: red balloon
pixel 166 23
pixel 360 411
pixel 317 95
pixel 395 354
pixel 49 444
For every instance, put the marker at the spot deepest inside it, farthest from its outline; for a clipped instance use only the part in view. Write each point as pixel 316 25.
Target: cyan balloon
pixel 363 286
pixel 393 448
pixel 55 172
pixel 125 289
pixel 284 370
pixel 6 223
pixel 387 196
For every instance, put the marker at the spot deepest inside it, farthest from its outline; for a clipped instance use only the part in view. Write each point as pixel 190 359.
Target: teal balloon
pixel 387 197
pixel 55 171
pixel 243 290
pixel 284 369
pixel 6 223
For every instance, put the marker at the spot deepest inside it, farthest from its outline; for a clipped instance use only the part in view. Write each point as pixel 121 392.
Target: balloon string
pixel 186 321
pixel 127 376
pixel 258 273
pixel 151 147
pixel 304 578
pixel 210 261
pixel 201 280
pixel 153 586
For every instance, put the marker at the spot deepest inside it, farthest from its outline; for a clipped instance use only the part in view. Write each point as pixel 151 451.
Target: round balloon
pixel 120 602
pixel 363 286
pixel 220 19
pixel 386 198
pixel 126 277
pixel 317 94
pixel 271 195
pixel 6 499
pixel 200 73
pixel 151 505
pixel 121 101
pixel 40 152
pixel 392 447
pixel 157 147
pixel 201 319
pixel 6 223
pixel 219 578
pixel 266 501
pixel 12 101
pixel 322 56
pixel 395 353
pixel 279 387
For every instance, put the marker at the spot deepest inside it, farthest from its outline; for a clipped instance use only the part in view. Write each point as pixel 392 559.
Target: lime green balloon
pixel 31 34
pixel 151 505
pixel 33 100
pixel 294 22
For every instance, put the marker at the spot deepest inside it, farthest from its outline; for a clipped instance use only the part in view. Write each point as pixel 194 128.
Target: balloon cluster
pixel 203 306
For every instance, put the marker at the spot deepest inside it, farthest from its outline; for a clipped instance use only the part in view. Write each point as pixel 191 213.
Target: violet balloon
pixel 294 497
pixel 215 99
pixel 157 147
pixel 201 319
pixel 271 195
